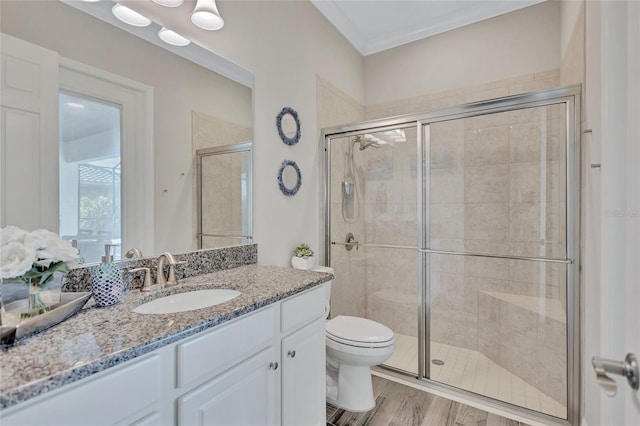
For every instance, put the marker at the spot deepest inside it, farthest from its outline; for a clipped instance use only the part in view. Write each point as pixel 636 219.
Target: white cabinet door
pixel 243 395
pixel 303 376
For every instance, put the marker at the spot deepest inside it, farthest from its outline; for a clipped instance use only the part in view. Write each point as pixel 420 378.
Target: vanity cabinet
pixel 126 394
pixel 303 376
pixel 264 368
pixel 279 372
pixel 234 370
pixel 303 359
pixel 244 395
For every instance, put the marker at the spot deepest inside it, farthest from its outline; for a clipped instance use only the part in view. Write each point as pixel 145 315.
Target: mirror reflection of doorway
pixel 90 173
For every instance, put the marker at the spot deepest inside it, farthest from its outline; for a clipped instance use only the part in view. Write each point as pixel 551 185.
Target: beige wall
pixel 518 43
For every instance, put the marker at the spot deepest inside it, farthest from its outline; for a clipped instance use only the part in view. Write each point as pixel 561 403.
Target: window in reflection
pixel 90 174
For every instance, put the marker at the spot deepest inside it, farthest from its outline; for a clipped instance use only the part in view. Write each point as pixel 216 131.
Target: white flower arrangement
pixel 25 256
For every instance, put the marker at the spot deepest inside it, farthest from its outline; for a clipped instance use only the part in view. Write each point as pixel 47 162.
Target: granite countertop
pixel 98 338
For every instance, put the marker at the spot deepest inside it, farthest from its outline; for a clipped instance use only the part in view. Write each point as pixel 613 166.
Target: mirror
pixel 224 173
pixel 185 94
pixel 288 124
pixel 289 178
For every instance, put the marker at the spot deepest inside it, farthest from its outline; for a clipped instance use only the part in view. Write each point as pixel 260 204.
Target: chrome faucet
pixel 146 284
pixel 133 253
pixel 160 278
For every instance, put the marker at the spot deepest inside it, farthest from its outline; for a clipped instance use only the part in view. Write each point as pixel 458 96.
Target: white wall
pixel 518 43
pixel 569 14
pixel 613 225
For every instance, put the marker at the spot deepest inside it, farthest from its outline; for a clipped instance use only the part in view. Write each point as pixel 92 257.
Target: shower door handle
pixel 350 242
pixel 627 368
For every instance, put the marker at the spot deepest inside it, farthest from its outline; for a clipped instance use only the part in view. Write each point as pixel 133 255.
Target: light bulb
pixel 172 37
pixel 129 16
pixel 206 15
pixel 169 3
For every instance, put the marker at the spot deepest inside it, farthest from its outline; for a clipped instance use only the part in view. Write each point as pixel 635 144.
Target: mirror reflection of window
pixel 90 174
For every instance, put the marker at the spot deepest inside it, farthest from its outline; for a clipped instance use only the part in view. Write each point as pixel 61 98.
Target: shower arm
pixel 454 253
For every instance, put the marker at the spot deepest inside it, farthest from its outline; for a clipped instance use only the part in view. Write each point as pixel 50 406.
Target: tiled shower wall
pixel 506 182
pixel 348 291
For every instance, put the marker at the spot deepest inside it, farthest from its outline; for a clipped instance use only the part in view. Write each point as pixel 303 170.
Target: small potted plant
pixel 302 257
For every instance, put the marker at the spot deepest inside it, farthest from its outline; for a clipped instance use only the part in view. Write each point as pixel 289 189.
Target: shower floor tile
pixel 473 371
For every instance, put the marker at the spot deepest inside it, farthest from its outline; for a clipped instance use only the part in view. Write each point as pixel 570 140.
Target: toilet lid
pixel 357 331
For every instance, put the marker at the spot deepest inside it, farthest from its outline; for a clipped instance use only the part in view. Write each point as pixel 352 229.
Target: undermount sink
pixel 189 301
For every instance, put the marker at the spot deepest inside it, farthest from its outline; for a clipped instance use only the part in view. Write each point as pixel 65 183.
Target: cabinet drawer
pixel 105 399
pixel 206 356
pixel 302 309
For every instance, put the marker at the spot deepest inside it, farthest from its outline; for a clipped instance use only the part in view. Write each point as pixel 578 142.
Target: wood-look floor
pixel 401 405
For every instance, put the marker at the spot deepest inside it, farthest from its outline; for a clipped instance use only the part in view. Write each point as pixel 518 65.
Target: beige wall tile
pixel 446 220
pixel 525 182
pixel 486 184
pixel 487 221
pixel 447 185
pixel 486 146
pixel 526 142
pixel 447 145
pixel 486 268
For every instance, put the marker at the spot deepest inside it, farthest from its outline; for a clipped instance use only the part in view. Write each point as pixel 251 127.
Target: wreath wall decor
pixel 289 188
pixel 294 115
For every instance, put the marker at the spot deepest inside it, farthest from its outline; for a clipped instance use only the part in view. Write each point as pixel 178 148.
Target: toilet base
pixel 353 389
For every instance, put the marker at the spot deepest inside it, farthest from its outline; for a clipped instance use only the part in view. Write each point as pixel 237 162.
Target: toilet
pixel 354 345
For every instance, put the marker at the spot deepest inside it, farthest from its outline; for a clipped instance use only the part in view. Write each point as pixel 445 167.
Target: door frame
pixel 136 149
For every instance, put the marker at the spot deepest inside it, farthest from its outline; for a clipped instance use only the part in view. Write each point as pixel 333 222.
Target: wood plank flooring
pixel 400 405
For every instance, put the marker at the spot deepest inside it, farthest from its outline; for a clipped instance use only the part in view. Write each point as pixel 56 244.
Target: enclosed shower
pixel 459 231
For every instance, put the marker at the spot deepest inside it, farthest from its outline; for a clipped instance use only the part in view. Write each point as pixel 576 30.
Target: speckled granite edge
pixel 261 286
pixel 198 263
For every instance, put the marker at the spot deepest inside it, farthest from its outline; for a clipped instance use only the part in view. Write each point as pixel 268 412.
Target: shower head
pixel 367 144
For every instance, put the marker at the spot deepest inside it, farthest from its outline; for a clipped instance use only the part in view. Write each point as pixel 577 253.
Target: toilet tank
pixel 327 288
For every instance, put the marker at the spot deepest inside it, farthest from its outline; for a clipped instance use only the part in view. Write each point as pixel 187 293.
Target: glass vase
pixel 42 299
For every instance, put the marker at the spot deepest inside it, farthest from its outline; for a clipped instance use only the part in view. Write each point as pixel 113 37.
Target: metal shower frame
pixel 570 96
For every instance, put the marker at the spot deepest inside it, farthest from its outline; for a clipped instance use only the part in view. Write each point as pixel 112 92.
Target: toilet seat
pixel 358 332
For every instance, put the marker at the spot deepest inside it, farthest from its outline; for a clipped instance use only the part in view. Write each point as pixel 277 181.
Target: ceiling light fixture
pixel 169 3
pixel 172 37
pixel 206 15
pixel 75 105
pixel 129 16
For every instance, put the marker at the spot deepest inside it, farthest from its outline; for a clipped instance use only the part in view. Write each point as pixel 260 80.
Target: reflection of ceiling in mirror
pixel 89 130
pixel 191 52
pixel 83 117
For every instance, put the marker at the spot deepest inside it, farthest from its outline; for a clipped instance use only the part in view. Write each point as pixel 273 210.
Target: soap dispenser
pixel 107 287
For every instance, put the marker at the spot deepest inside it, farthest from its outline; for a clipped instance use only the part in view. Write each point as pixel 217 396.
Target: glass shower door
pixel 374 201
pixel 496 256
pixel 224 196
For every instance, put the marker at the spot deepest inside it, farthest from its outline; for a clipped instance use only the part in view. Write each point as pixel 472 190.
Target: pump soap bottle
pixel 107 287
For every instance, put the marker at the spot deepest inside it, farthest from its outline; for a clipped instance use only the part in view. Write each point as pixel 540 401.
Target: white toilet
pixel 354 345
